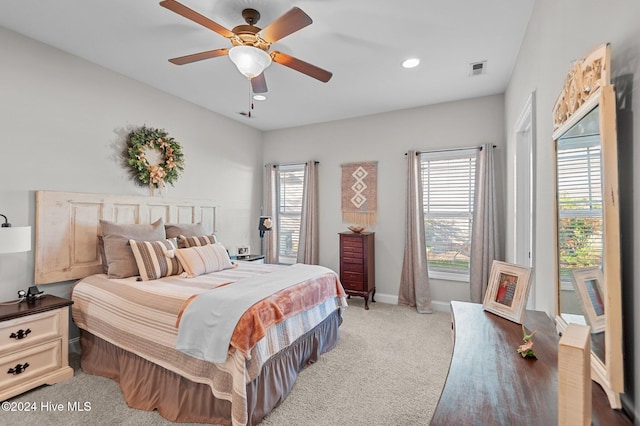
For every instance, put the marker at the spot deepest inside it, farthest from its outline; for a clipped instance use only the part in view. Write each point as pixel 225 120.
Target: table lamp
pixel 14 239
pixel 265 224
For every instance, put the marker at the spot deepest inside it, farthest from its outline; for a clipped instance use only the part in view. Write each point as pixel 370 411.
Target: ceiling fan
pixel 250 44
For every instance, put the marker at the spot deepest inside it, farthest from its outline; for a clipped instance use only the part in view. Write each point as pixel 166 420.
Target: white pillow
pixel 202 260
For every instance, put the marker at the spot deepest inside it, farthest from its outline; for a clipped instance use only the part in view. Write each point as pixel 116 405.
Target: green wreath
pixel 156 175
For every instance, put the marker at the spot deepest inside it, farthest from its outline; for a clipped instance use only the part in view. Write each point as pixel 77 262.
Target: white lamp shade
pixel 249 60
pixel 15 239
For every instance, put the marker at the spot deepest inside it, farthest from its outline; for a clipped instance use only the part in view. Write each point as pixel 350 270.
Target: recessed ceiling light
pixel 411 63
pixel 259 97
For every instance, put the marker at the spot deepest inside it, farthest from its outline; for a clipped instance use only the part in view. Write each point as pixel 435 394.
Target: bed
pixel 133 329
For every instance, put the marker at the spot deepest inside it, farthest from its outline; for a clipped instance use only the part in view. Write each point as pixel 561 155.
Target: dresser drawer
pixel 41 359
pixel 353 267
pixel 348 276
pixel 352 243
pixel 352 285
pixel 353 251
pixel 30 330
pixel 350 259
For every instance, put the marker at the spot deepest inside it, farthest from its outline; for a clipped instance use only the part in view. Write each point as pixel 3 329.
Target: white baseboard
pixel 74 345
pixel 393 300
pixel 441 306
pixel 386 298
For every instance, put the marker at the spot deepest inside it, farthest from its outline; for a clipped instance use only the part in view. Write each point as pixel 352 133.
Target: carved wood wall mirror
pixel 588 227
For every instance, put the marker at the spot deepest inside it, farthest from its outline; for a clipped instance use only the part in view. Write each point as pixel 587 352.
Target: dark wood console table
pixel 489 383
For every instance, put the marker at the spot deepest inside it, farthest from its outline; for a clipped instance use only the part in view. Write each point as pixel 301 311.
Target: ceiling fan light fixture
pixel 249 60
pixel 411 63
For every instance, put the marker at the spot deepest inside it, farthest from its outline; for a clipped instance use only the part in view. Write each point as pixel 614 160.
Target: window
pixel 290 181
pixel 579 205
pixel 448 181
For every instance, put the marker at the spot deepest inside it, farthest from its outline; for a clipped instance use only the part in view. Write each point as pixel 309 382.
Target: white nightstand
pixel 34 345
pixel 254 258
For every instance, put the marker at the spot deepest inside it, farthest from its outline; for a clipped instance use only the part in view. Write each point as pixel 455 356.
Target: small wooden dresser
pixel 34 345
pixel 357 264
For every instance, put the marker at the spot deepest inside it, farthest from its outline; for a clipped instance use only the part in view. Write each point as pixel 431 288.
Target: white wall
pixel 559 32
pixel 63 123
pixel 385 138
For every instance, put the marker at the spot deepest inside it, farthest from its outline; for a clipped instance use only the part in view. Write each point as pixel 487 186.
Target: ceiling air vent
pixel 477 68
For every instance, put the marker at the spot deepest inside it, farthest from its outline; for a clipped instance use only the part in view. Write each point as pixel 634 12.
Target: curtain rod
pixel 450 149
pixel 291 164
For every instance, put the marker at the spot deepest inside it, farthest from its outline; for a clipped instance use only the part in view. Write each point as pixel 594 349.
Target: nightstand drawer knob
pixel 20 334
pixel 18 369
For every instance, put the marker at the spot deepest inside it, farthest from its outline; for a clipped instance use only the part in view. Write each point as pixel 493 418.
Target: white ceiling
pixel 363 43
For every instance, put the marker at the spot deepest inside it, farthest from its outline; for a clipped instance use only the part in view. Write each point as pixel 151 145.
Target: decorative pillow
pixel 103 256
pixel 198 241
pixel 156 259
pixel 202 260
pixel 187 229
pixel 120 260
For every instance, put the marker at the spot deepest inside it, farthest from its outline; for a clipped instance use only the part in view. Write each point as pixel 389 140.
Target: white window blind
pixel 448 181
pixel 579 205
pixel 290 186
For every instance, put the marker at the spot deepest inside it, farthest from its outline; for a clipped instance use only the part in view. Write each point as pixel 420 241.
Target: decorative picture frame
pixel 243 251
pixel 508 290
pixel 589 284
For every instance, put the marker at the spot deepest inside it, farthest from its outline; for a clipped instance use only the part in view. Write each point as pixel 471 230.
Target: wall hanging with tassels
pixel 359 193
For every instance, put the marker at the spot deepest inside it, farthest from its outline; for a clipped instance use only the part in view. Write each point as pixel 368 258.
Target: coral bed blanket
pixel 237 315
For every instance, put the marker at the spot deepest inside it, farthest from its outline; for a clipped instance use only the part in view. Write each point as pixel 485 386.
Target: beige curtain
pixel 270 240
pixel 308 243
pixel 414 281
pixel 485 243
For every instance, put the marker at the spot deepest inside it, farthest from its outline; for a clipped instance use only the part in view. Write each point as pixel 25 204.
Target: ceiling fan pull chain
pixel 250 90
pixel 250 98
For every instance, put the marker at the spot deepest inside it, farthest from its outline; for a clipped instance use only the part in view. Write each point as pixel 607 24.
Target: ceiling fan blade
pixel 183 10
pixel 199 56
pixel 290 22
pixel 259 84
pixel 301 66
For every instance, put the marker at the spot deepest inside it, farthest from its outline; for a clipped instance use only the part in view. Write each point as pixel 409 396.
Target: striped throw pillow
pixel 186 242
pixel 156 259
pixel 202 260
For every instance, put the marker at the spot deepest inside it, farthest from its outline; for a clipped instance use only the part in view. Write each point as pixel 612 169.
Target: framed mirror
pixel 587 229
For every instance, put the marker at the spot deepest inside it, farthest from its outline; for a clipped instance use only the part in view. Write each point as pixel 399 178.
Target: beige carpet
pixel 388 369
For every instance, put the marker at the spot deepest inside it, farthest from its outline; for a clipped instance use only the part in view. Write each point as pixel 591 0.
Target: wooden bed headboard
pixel 68 224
